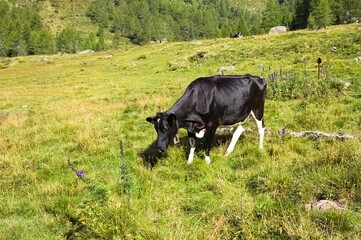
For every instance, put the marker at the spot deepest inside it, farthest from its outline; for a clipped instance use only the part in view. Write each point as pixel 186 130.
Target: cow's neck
pixel 181 110
pixel 186 115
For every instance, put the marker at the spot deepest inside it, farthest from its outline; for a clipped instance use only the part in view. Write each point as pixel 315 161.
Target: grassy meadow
pixel 78 108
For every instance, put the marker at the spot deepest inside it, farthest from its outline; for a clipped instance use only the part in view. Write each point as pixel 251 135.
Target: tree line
pixel 23 33
pixel 142 21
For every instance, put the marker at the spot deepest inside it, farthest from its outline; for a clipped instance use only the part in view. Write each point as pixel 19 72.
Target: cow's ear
pixel 151 119
pixel 172 118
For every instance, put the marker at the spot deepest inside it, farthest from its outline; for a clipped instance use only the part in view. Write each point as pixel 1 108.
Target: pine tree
pixel 352 10
pixel 226 28
pixel 302 12
pixel 184 30
pixel 116 39
pixel 90 42
pixel 68 40
pixel 17 45
pixel 118 22
pixel 98 12
pixel 210 23
pixel 287 11
pixel 321 15
pixel 100 45
pixel 41 42
pixel 337 11
pixel 311 22
pixel 243 27
pixel 271 16
pixel 26 30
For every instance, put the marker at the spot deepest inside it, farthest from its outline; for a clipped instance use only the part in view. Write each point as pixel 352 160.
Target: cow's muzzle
pixel 160 149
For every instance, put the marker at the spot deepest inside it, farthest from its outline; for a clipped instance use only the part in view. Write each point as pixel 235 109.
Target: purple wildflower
pixel 282 132
pixel 80 174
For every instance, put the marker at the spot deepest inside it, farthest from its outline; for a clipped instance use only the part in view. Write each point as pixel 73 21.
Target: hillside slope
pixel 58 14
pixel 78 159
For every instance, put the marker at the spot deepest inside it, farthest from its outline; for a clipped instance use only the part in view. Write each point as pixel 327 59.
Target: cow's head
pixel 166 126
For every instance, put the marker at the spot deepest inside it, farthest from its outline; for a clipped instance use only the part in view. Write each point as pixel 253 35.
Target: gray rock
pixel 86 51
pixel 325 205
pixel 277 30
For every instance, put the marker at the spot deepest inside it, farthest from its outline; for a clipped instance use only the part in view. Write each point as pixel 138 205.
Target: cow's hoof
pixel 190 161
pixel 227 154
pixel 208 160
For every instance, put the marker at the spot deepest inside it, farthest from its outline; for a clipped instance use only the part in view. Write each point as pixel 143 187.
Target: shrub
pixel 299 86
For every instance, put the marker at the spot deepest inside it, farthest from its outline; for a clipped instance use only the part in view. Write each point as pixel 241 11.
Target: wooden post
pixel 319 61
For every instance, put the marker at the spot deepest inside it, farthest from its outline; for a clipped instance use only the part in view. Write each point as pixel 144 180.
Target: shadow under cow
pixel 151 155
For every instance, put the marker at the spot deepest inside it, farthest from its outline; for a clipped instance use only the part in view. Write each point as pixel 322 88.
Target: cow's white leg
pixel 260 130
pixel 234 140
pixel 208 159
pixel 200 134
pixel 191 156
pixel 261 133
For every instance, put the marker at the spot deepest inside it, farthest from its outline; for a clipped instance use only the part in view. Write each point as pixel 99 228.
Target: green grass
pixel 79 107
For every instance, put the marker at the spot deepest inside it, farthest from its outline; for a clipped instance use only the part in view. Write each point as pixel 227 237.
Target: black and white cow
pixel 209 102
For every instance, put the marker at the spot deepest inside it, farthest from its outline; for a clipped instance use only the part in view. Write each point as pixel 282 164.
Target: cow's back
pixel 239 80
pixel 225 99
pixel 236 96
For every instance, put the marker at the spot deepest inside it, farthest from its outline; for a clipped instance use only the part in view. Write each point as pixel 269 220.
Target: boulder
pixel 277 30
pixel 86 51
pixel 325 205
